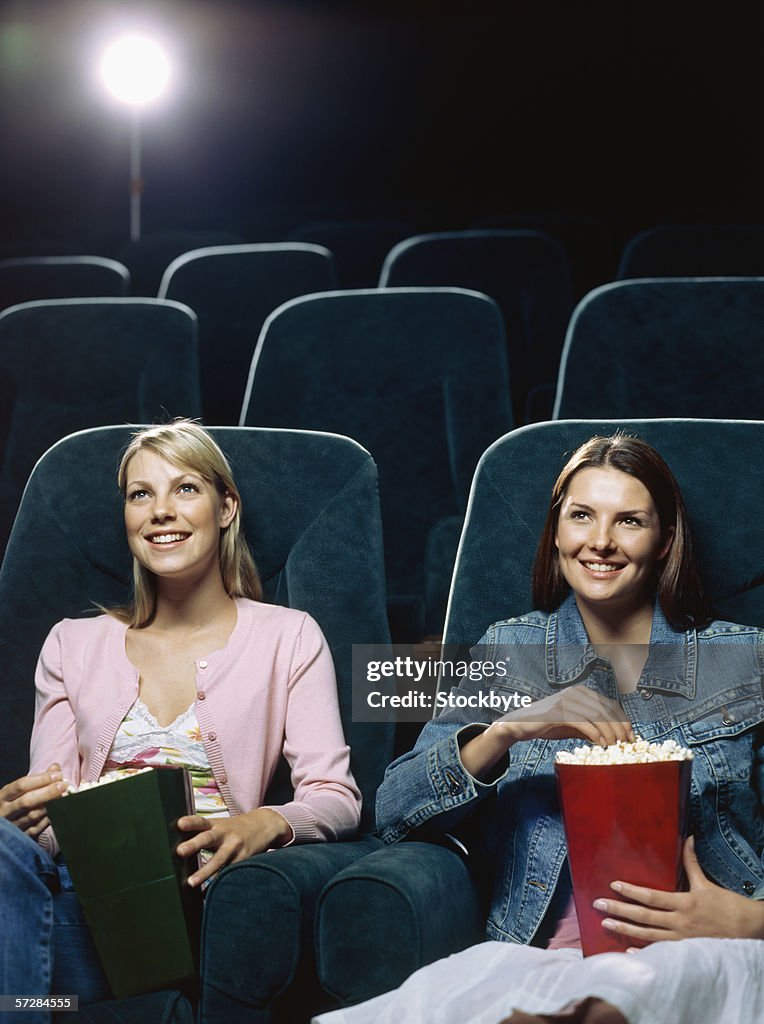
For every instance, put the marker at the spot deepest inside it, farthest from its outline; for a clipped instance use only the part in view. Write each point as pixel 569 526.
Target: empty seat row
pixel 360 247
pixel 418 376
pixel 233 287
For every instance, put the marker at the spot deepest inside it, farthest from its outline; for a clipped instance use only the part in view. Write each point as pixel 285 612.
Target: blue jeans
pixel 45 944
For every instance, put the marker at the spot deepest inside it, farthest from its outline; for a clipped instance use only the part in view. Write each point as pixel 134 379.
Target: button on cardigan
pixel 270 690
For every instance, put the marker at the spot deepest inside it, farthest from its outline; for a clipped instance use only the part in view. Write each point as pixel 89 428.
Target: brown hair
pixel 679 587
pixel 186 444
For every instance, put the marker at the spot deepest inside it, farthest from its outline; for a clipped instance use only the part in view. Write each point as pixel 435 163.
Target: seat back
pixel 658 347
pixel 148 257
pixel 588 242
pixel 311 516
pixel 82 363
pixel 60 277
pixel 525 272
pixel 695 250
pixel 417 376
pixel 510 497
pixel 359 247
pixel 232 289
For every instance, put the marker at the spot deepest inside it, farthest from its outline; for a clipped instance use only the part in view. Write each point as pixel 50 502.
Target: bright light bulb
pixel 135 69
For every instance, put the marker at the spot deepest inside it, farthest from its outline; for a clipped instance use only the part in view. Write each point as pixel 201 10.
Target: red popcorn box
pixel 624 822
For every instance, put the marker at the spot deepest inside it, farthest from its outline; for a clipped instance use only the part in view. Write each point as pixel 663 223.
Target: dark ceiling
pixel 284 111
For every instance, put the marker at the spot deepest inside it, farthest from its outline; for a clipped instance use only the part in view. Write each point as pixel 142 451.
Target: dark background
pixel 435 113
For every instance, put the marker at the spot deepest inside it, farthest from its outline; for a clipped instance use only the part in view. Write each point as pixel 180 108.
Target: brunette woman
pixel 621 641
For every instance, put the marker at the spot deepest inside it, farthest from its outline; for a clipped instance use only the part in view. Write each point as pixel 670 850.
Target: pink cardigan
pixel 270 690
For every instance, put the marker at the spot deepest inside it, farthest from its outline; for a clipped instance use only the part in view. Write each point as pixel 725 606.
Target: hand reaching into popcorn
pixel 577 711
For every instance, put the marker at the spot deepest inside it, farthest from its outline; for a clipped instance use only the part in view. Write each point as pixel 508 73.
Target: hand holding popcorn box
pixel 625 811
pixel 119 842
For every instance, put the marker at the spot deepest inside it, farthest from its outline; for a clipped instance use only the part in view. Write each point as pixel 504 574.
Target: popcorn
pixel 639 752
pixel 114 776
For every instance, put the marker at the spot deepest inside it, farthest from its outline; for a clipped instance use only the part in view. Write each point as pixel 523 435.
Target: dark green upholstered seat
pixel 164 1007
pixel 525 272
pixel 311 514
pixel 148 257
pixel 659 347
pixel 75 363
pixel 232 289
pixel 588 242
pixel 406 905
pixel 60 277
pixel 695 250
pixel 417 376
pixel 359 247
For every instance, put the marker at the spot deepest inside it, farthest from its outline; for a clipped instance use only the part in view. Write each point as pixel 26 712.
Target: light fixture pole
pixel 136 181
pixel 135 70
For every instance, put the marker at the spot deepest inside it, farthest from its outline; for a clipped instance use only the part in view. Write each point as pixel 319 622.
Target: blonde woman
pixel 196 671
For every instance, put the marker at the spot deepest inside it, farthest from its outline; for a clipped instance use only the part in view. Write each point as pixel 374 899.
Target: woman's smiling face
pixel 609 539
pixel 173 517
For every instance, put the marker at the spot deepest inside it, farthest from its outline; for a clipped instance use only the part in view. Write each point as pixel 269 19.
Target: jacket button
pixel 223 780
pixel 212 736
pixel 728 719
pixel 202 664
pixel 749 888
pixel 645 694
pixel 455 788
pixel 201 695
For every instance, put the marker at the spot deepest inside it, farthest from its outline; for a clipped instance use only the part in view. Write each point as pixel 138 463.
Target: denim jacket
pixel 702 688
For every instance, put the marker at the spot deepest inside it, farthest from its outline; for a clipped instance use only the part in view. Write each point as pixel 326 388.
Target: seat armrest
pixel 258 930
pixel 396 910
pixel 166 1007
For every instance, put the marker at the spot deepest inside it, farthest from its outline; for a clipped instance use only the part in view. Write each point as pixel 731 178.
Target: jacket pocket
pixel 726 737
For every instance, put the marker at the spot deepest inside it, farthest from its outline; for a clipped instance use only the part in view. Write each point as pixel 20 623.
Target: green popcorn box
pixel 118 840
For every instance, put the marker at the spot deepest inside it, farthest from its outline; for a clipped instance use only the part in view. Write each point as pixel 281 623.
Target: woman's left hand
pixel 231 839
pixel 706 911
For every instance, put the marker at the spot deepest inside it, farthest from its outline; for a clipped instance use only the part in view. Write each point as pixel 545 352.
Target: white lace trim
pixel 141 740
pixel 139 733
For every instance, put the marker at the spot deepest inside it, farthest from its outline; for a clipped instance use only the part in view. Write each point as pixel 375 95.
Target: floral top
pixel 141 742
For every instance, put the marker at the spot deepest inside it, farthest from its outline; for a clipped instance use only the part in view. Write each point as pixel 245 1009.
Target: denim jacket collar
pixel 670 665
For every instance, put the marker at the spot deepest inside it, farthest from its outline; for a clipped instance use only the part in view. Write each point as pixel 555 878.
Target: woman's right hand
pixel 23 801
pixel 576 712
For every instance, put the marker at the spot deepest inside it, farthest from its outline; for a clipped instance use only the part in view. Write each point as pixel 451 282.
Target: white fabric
pixel 696 981
pixel 141 740
pixel 139 731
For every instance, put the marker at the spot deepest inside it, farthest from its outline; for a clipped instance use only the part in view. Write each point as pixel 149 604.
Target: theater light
pixel 135 70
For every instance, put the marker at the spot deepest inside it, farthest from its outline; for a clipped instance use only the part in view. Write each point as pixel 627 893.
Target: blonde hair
pixel 186 444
